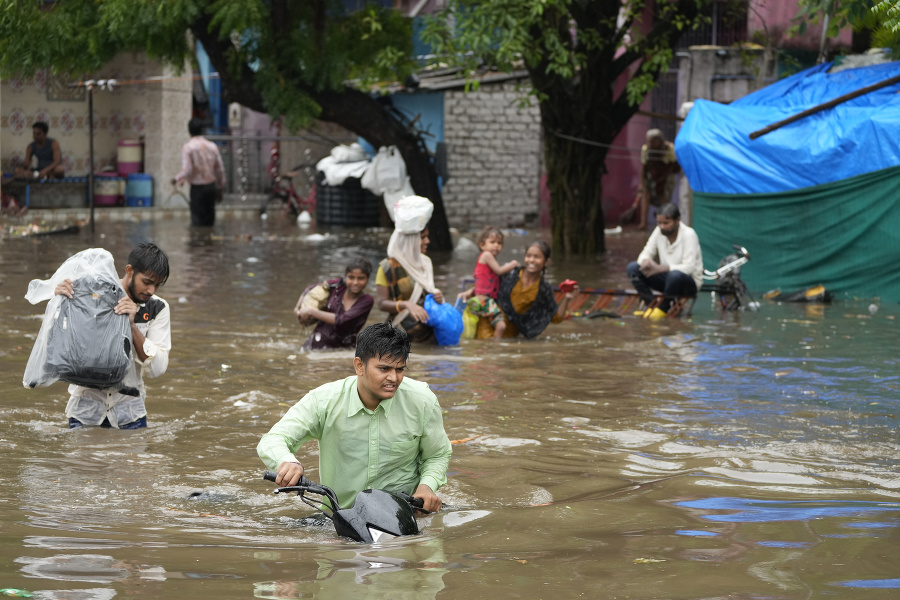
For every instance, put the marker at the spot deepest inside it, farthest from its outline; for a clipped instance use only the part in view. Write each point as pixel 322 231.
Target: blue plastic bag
pixel 445 320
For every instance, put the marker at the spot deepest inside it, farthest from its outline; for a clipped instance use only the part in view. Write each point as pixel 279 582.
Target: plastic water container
pixel 106 189
pixel 139 190
pixel 130 157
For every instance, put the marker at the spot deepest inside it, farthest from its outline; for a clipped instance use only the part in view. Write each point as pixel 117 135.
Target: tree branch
pixel 234 88
pixel 663 31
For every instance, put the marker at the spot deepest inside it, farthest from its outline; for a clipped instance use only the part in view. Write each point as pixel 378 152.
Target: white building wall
pixel 152 103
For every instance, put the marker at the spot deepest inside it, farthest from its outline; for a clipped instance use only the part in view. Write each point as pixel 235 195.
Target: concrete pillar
pixel 167 130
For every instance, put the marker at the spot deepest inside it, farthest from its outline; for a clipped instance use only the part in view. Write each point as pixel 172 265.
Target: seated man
pixel 670 263
pixel 376 430
pixel 46 151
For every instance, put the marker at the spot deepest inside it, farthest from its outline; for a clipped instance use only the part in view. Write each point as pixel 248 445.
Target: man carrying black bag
pixel 147 270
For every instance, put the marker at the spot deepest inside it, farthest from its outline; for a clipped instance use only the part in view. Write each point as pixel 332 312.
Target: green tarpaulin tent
pixel 844 234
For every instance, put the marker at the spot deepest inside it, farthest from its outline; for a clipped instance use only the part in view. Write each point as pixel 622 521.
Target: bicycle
pixel 283 190
pixel 290 201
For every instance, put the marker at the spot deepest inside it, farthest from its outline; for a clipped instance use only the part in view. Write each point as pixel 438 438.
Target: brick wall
pixel 493 156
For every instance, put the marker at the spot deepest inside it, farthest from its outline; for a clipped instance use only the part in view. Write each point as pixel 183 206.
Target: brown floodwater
pixel 750 455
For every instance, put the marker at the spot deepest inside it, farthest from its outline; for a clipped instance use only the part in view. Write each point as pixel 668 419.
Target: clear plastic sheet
pixel 81 340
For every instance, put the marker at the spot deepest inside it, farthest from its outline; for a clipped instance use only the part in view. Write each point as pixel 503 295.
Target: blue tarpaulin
pixel 859 136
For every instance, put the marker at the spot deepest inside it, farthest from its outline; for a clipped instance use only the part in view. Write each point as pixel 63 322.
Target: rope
pixel 626 149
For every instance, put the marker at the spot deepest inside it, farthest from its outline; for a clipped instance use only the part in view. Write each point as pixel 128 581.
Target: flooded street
pixel 750 455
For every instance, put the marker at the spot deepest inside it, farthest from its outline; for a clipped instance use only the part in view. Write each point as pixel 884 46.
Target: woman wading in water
pixel 526 298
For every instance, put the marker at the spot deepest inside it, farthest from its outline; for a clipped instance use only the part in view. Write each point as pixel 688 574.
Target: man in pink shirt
pixel 201 166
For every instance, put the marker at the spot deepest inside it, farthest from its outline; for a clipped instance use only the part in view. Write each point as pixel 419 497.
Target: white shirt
pixel 683 255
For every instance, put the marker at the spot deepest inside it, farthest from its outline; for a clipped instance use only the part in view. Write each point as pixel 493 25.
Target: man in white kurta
pixel 670 263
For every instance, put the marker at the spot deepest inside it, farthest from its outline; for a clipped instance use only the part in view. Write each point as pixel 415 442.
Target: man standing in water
pixel 147 270
pixel 659 168
pixel 670 263
pixel 201 166
pixel 376 430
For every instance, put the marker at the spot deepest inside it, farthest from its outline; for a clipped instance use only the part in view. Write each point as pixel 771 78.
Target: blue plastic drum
pixel 139 190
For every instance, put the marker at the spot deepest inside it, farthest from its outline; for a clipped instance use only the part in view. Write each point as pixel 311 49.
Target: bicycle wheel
pixel 276 204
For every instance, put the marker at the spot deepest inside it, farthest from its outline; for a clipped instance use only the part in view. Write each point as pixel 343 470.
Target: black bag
pixel 89 344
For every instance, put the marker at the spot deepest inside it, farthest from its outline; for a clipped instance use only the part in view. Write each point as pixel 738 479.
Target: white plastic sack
pixel 336 173
pixel 82 341
pixel 412 213
pixel 348 154
pixel 386 172
pixel 392 197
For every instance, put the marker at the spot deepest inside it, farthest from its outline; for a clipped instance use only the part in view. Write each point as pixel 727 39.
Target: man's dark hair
pixel 382 340
pixel 360 263
pixel 148 258
pixel 195 127
pixel 40 125
pixel 668 210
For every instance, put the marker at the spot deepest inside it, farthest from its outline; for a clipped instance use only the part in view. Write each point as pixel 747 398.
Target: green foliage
pixel 578 54
pixel 78 36
pixel 292 47
pixel 889 11
pixel 560 39
pixel 641 84
pixel 881 17
pixel 841 14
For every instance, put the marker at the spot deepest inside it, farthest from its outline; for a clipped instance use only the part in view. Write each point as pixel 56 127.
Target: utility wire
pixel 627 149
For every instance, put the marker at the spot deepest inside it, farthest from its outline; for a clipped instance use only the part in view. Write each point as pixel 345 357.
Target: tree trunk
pixel 582 113
pixel 351 109
pixel 574 178
pixel 573 121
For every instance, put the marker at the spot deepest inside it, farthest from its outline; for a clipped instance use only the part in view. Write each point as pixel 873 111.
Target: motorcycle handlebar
pixel 271 476
pixel 414 502
pixel 316 488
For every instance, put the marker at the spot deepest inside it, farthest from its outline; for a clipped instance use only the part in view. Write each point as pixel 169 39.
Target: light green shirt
pixel 396 447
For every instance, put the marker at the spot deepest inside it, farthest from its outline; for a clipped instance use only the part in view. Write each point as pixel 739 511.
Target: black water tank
pixel 348 205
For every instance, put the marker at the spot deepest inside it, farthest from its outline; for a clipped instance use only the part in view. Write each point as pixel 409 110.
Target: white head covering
pixel 405 246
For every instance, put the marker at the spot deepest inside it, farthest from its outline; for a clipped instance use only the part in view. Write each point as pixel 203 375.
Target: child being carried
pixel 487 279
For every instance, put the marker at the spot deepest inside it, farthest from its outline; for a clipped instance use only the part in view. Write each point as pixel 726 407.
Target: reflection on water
pixel 411 571
pixel 731 455
pixel 743 510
